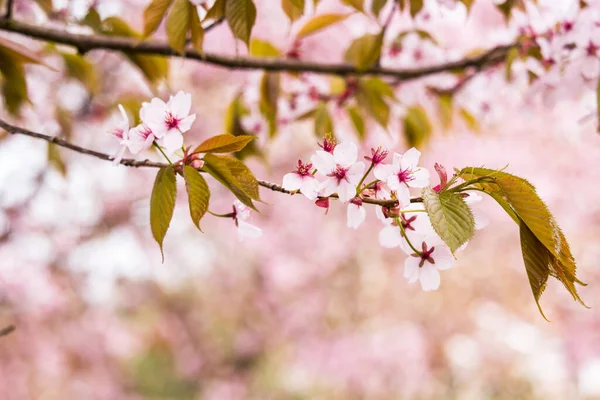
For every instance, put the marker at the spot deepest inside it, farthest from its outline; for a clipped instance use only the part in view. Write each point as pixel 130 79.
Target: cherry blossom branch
pixel 128 162
pixel 5 331
pixel 85 43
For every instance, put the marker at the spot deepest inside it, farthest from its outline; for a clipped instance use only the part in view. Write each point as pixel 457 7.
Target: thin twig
pixel 128 162
pixel 7 330
pixel 86 43
pixel 216 23
pixel 9 9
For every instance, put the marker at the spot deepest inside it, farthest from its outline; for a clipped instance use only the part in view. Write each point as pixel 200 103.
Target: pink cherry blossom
pixel 416 225
pixel 121 132
pixel 241 213
pixel 140 138
pixel 402 174
pixel 168 121
pixel 356 213
pixel 341 169
pixel 587 53
pixel 302 179
pixel 425 266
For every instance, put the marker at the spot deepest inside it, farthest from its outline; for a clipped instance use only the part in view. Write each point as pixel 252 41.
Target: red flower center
pixel 303 169
pixel 425 255
pixel 339 173
pixel 405 175
pixel 171 121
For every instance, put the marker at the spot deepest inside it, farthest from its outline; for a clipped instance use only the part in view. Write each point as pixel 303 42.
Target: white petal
pixel 590 67
pixel 292 181
pixel 356 215
pixel 346 191
pixel 397 161
pixel 383 171
pixel 355 173
pixel 310 187
pixel 323 162
pixel 329 187
pixel 443 257
pixel 119 155
pixel 402 194
pixel 473 198
pixel 180 104
pixel 246 230
pixel 345 154
pixel 411 269
pixel 390 237
pixel 186 123
pixel 137 142
pixel 172 141
pixel 429 277
pixel 420 178
pixel 154 113
pixel 124 115
pixel 410 159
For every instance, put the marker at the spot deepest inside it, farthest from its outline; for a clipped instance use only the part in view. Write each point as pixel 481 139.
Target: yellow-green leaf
pixel 446 110
pixel 364 52
pixel 241 15
pixel 220 169
pixel 198 193
pixel 269 95
pixel 216 11
pixel 371 96
pixel 358 121
pixel 293 8
pixel 415 7
pixel 356 4
pixel 417 127
pixel 14 85
pixel 469 119
pixel 244 176
pixel 468 4
pixel 320 22
pixel 177 24
pixel 19 53
pixel 450 217
pixel 55 159
pixel 377 6
pixel 80 68
pixel 162 204
pixel 323 122
pixel 263 48
pixel 154 14
pixel 538 263
pixel 224 144
pixel 196 29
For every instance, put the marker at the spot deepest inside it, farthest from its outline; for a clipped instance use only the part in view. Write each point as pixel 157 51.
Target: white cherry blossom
pixel 402 174
pixel 241 213
pixel 121 132
pixel 425 266
pixel 342 171
pixel 302 179
pixel 356 213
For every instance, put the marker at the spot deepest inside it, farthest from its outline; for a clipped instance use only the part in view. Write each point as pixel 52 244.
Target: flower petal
pixel 443 257
pixel 345 154
pixel 389 237
pixel 292 181
pixel 429 277
pixel 246 230
pixel 180 104
pixel 323 162
pixel 411 269
pixel 172 141
pixel 383 171
pixel 310 187
pixel 328 187
pixel 410 159
pixel 355 215
pixel 355 173
pixel 402 194
pixel 420 178
pixel 186 123
pixel 346 191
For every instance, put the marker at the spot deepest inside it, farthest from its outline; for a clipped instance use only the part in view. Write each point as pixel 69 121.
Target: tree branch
pixel 129 162
pixel 7 330
pixel 132 45
pixel 9 9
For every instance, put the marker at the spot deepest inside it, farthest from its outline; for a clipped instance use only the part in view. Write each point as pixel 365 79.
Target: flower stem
pixel 220 215
pixel 162 152
pixel 358 189
pixel 403 232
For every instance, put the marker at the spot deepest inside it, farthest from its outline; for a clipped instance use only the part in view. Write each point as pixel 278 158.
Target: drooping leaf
pixel 371 96
pixel 162 204
pixel 269 95
pixel 19 53
pixel 263 48
pixel 216 11
pixel 177 24
pixel 80 68
pixel 293 8
pixel 55 159
pixel 417 127
pixel 450 217
pixel 538 262
pixel 196 29
pixel 198 193
pixel 154 14
pixel 241 15
pixel 14 85
pixel 533 212
pixel 415 7
pixel 358 5
pixel 224 144
pixel 323 122
pixel 377 6
pixel 220 169
pixel 364 52
pixel 358 121
pixel 320 22
pixel 446 110
pixel 244 176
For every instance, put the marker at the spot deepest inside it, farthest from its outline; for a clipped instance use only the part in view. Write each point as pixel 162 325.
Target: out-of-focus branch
pixel 9 9
pixel 86 43
pixel 7 330
pixel 128 162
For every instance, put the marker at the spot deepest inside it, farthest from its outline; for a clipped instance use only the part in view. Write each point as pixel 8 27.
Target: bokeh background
pixel 312 309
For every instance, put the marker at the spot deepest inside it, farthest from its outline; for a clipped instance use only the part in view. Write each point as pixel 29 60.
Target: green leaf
pixel 323 123
pixel 293 8
pixel 371 95
pixel 512 55
pixel 20 53
pixel 469 119
pixel 417 127
pixel 198 193
pixel 80 68
pixel 533 212
pixel 14 85
pixel 263 48
pixel 446 110
pixel 358 5
pixel 219 168
pixel 55 159
pixel 358 121
pixel 506 8
pixel 216 11
pixel 364 52
pixel 224 144
pixel 240 15
pixel 538 262
pixel 450 217
pixel 233 125
pixel 468 4
pixel 196 29
pixel 244 176
pixel 154 14
pixel 415 7
pixel 320 22
pixel 162 204
pixel 177 24
pixel 269 95
pixel 377 6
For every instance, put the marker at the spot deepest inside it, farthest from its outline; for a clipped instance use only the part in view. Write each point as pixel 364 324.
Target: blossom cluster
pixel 334 171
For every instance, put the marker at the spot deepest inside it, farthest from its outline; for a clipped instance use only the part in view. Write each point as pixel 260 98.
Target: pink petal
pixel 186 123
pixel 429 277
pixel 172 141
pixel 292 181
pixel 310 187
pixel 246 230
pixel 411 269
pixel 346 191
pixel 180 104
pixel 345 154
pixel 323 162
pixel 355 173
pixel 390 237
pixel 410 159
pixel 356 215
pixel 420 178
